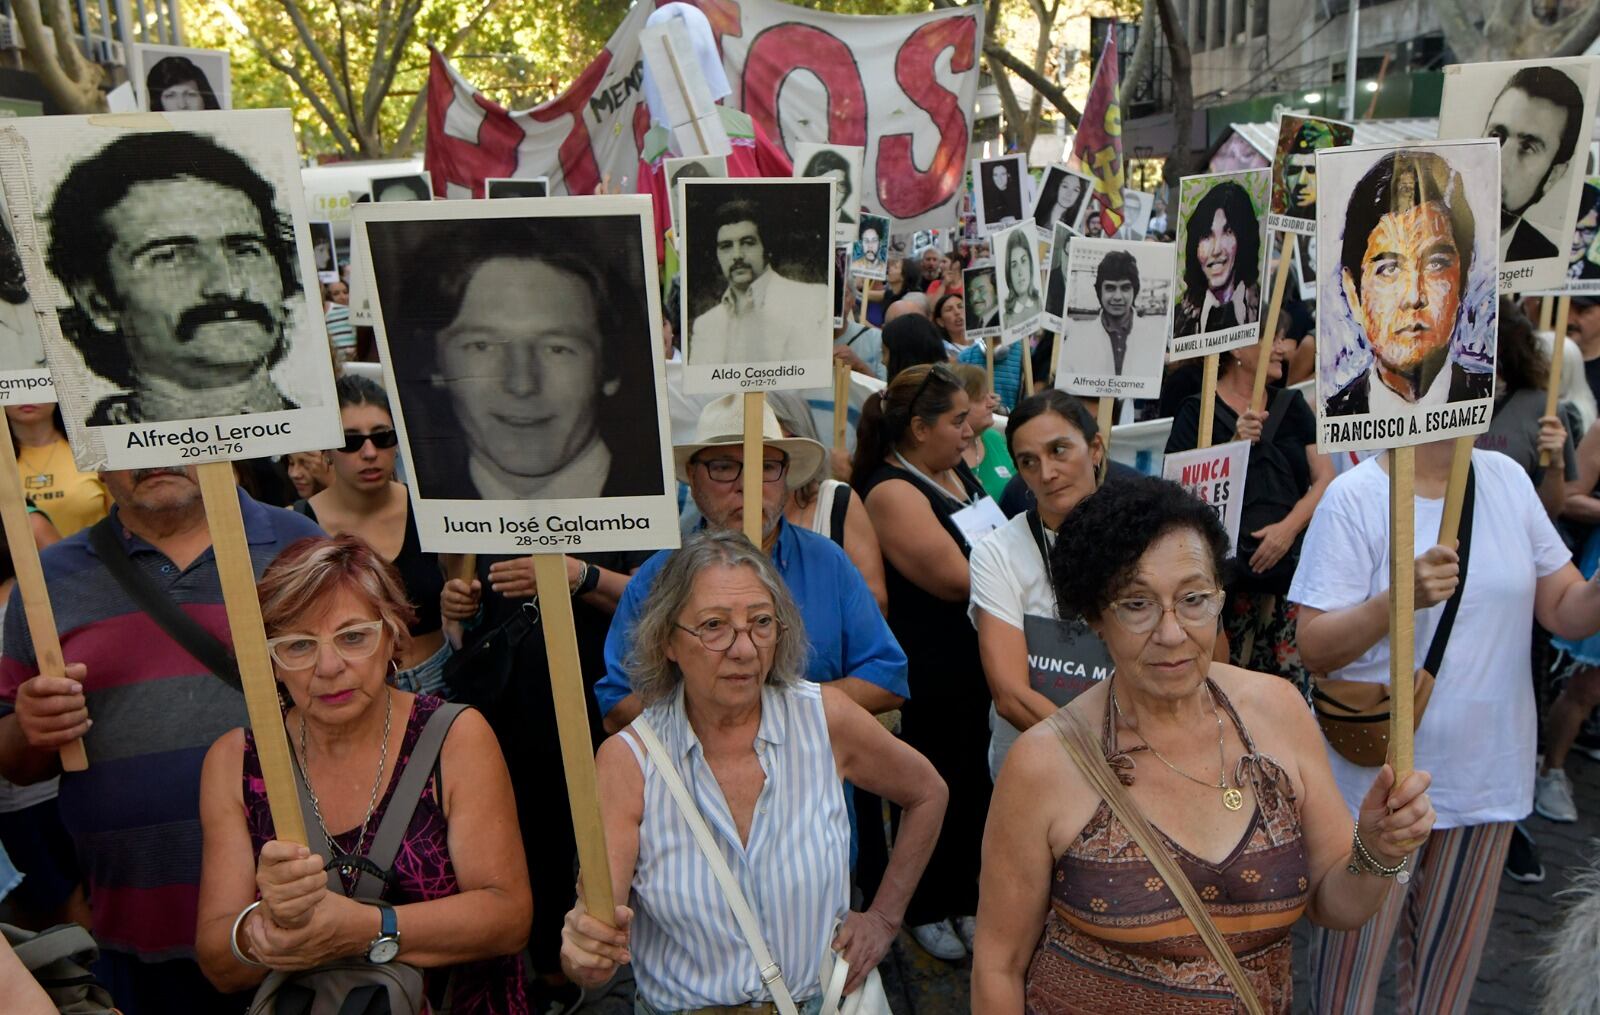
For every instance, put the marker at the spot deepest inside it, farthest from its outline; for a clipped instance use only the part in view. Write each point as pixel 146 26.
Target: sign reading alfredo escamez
pixel 179 261
pixel 521 340
pixel 1408 251
pixel 1118 305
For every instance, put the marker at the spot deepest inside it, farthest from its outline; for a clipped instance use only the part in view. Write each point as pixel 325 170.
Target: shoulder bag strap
pixel 405 798
pixel 838 511
pixel 168 615
pixel 1080 745
pixel 1276 413
pixel 1441 635
pixel 771 974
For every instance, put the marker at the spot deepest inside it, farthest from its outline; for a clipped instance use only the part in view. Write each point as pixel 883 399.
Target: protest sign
pixel 24 377
pixel 1393 370
pixel 982 305
pixel 997 191
pixel 1021 304
pixel 1583 257
pixel 1541 113
pixel 1136 208
pixel 172 79
pixel 1215 476
pixel 538 186
pixel 323 251
pixel 1055 277
pixel 842 165
pixel 694 167
pixel 1294 169
pixel 1119 303
pixel 1062 197
pixel 869 254
pixel 410 187
pixel 1220 252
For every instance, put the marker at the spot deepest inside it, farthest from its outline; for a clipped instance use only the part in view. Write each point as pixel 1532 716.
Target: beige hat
pixel 722 426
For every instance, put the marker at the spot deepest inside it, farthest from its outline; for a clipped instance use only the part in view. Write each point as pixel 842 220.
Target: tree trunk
pixel 1182 93
pixel 72 81
pixel 1510 32
pixel 1143 51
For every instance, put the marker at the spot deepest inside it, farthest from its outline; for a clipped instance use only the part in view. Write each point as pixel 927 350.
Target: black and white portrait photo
pixel 1541 112
pixel 1136 208
pixel 173 79
pixel 502 187
pixel 982 301
pixel 841 279
pixel 1407 300
pixel 182 262
pixel 524 350
pixel 998 187
pixel 410 187
pixel 757 273
pixel 1061 199
pixel 24 376
pixel 1119 303
pixel 1021 303
pixel 869 254
pixel 1055 279
pixel 323 252
pixel 694 167
pixel 842 165
pixel 1220 246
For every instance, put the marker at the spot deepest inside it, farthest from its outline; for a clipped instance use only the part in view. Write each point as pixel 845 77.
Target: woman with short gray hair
pixel 718 659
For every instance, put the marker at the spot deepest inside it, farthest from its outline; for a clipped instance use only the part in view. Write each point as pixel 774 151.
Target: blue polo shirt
pixel 848 636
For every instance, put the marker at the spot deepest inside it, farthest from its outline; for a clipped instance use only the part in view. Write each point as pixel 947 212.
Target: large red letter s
pixel 783 49
pixel 904 190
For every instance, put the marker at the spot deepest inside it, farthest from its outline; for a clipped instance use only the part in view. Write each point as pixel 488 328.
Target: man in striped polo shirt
pixel 134 815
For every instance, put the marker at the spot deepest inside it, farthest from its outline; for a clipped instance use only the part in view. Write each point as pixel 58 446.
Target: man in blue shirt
pixel 851 645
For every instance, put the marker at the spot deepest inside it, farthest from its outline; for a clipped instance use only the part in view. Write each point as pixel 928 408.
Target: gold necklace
pixel 1232 798
pixel 25 460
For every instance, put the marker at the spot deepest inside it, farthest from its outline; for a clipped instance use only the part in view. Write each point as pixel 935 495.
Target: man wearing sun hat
pixel 850 642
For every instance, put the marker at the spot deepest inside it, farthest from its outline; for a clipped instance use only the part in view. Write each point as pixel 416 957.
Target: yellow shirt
pixel 71 499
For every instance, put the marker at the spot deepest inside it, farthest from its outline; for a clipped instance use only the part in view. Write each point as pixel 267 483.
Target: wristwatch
pixel 386 945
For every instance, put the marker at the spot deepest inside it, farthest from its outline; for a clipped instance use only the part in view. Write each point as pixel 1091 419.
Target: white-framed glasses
pixel 1142 614
pixel 353 643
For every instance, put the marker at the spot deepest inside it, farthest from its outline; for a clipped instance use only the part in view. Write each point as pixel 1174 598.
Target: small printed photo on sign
pixel 1406 292
pixel 998 186
pixel 1220 252
pixel 324 254
pixel 1061 199
pixel 982 302
pixel 1541 113
pixel 841 281
pixel 1136 206
pixel 1583 259
pixel 1215 476
pixel 869 254
pixel 189 326
pixel 1021 303
pixel 1294 169
pixel 24 377
pixel 1119 308
pixel 1055 280
pixel 410 187
pixel 172 79
pixel 521 341
pixel 695 167
pixel 757 284
pixel 842 165
pixel 504 187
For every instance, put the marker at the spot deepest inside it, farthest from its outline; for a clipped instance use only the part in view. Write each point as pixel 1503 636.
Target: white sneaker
pixel 967 928
pixel 940 941
pixel 1552 796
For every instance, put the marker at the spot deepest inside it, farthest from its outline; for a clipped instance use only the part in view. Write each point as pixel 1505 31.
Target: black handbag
pixel 479 674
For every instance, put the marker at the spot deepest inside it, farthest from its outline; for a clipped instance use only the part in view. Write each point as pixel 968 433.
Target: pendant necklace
pixel 377 785
pixel 1232 798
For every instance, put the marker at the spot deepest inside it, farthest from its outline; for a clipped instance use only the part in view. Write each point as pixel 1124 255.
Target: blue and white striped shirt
pixel 687 949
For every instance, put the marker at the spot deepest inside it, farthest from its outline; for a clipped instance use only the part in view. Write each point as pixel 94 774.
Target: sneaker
pixel 940 941
pixel 1522 860
pixel 967 929
pixel 1587 744
pixel 1552 796
pixel 562 999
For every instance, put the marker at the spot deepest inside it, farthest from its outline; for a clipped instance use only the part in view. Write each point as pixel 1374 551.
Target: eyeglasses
pixel 726 470
pixel 353 643
pixel 1141 615
pixel 718 635
pixel 381 439
pixel 939 370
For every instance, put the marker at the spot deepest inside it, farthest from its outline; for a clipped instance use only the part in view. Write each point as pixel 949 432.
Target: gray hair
pixel 653 675
pixel 1566 967
pixel 794 415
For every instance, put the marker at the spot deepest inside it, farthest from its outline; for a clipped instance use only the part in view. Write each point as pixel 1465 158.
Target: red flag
pixel 1097 148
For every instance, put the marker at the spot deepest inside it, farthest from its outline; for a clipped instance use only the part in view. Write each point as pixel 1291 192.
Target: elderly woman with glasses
pixel 456 901
pixel 1227 764
pixel 718 658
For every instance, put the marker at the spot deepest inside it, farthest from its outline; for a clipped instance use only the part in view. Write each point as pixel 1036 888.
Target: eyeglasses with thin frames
pixel 718 634
pixel 353 643
pixel 1142 614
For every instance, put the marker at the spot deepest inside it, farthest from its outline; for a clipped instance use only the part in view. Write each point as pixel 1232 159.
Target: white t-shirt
pixel 1477 737
pixel 1009 583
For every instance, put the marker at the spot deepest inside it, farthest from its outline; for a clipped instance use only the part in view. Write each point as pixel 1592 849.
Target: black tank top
pixel 419 572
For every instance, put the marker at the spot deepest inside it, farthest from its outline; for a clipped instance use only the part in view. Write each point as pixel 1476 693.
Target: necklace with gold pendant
pixel 1232 797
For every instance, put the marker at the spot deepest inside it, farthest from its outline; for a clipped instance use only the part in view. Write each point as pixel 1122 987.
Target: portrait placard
pixel 757 280
pixel 512 186
pixel 841 280
pixel 1541 113
pixel 1294 169
pixel 179 261
pixel 1583 257
pixel 1119 305
pixel 362 310
pixel 869 254
pixel 409 187
pixel 981 300
pixel 1056 272
pixel 1136 208
pixel 1216 476
pixel 323 252
pixel 711 167
pixel 1062 195
pixel 997 191
pixel 842 165
pixel 1407 261
pixel 521 342
pixel 1220 252
pixel 1021 303
pixel 174 79
pixel 24 377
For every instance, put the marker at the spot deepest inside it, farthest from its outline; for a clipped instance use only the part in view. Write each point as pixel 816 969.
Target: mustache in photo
pixel 219 311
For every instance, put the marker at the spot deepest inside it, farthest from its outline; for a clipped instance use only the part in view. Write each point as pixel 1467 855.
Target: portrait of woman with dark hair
pixel 1221 243
pixel 1021 302
pixel 176 84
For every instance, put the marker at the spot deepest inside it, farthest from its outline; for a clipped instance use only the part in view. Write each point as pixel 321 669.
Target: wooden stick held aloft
pixel 755 403
pixel 1208 401
pixel 1552 391
pixel 1402 614
pixel 1103 413
pixel 1456 491
pixel 841 402
pixel 1269 325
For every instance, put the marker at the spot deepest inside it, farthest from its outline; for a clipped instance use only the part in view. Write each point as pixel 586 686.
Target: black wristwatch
pixel 590 582
pixel 386 945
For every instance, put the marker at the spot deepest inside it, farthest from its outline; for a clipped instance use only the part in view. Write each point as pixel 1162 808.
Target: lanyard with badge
pixel 979 514
pixel 1065 657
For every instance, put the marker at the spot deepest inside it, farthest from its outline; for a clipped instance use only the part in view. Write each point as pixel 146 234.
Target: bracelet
pixel 584 567
pixel 1363 862
pixel 589 581
pixel 233 936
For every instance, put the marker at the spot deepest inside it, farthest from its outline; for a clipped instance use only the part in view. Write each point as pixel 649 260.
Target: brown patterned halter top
pixel 1116 939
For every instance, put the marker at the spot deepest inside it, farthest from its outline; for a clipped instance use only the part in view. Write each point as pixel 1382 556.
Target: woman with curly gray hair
pixel 717 660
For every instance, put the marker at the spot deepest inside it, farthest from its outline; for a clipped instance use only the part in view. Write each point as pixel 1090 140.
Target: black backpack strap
pixel 1441 636
pixel 840 509
pixel 403 801
pixel 1276 413
pixel 168 615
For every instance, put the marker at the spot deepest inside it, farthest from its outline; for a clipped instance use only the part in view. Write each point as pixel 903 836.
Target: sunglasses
pixel 381 439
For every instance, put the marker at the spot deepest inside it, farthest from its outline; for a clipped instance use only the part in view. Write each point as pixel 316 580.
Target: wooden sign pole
pixel 755 404
pixel 221 496
pixel 30 586
pixel 988 360
pixel 1455 492
pixel 1546 308
pixel 1208 401
pixel 1026 345
pixel 572 727
pixel 1055 353
pixel 1103 413
pixel 1269 329
pixel 1402 569
pixel 1552 391
pixel 841 402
